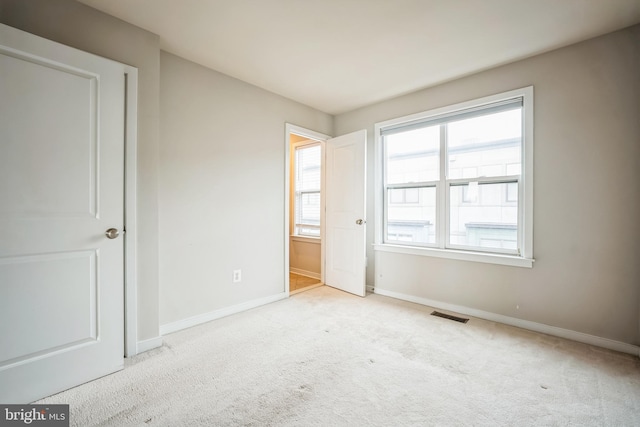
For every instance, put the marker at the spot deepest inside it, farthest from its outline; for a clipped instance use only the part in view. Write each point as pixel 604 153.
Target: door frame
pixel 130 212
pixel 322 138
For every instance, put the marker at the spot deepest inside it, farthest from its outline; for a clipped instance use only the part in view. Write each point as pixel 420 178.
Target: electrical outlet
pixel 237 276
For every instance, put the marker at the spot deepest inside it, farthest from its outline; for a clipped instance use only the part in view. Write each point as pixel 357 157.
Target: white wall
pixel 586 276
pixel 79 26
pixel 222 188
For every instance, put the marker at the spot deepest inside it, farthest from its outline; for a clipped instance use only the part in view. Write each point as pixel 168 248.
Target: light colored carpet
pixel 326 358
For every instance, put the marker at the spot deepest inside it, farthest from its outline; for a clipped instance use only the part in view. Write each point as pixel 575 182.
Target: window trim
pixel 525 185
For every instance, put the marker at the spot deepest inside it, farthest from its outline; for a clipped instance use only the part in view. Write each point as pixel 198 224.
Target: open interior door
pixel 61 215
pixel 345 222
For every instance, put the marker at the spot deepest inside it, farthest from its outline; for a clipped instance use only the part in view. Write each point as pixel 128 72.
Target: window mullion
pixel 441 197
pixel 485 180
pixel 405 186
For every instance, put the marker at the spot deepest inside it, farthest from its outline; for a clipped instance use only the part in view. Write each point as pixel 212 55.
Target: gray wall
pixel 82 27
pixel 586 276
pixel 222 188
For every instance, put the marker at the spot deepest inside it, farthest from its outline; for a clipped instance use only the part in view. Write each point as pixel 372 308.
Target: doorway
pixel 305 225
pixel 341 205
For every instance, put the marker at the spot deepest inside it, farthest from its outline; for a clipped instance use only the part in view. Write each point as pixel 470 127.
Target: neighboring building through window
pixel 454 178
pixel 307 167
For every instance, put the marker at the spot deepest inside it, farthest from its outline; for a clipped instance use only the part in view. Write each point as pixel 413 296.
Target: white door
pixel 345 222
pixel 61 188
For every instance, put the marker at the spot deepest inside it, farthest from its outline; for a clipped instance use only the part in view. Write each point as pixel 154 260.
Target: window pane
pixel 489 222
pixel 308 168
pixel 396 197
pixel 308 209
pixel 413 156
pixel 412 195
pixel 311 208
pixel 512 192
pixel 411 222
pixel 308 231
pixel 488 145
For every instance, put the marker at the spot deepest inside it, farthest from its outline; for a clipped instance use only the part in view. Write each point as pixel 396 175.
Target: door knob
pixel 112 233
pixel 360 221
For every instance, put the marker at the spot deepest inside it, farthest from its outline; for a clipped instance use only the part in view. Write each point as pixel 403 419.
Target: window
pixel 307 158
pixel 459 179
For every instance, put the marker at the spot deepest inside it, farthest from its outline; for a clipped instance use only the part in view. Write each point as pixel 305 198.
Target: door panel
pixel 345 206
pixel 31 294
pixel 61 187
pixel 43 140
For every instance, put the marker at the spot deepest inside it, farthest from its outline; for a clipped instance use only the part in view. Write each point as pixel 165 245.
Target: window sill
pixel 306 239
pixel 510 260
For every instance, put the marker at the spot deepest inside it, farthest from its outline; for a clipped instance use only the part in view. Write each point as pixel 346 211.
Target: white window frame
pixel 525 188
pixel 295 193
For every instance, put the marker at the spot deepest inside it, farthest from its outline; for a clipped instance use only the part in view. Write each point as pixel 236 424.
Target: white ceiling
pixel 339 55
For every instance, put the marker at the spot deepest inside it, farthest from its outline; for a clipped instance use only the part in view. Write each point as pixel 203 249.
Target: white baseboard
pixel 370 288
pixel 149 344
pixel 305 273
pixel 524 324
pixel 217 314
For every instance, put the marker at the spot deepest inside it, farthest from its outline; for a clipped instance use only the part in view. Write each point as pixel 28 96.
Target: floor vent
pixel 450 317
